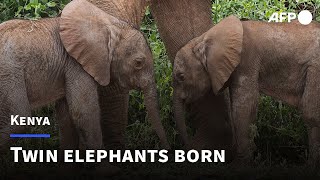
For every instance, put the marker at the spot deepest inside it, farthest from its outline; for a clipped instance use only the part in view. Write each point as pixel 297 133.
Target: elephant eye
pixel 138 63
pixel 180 77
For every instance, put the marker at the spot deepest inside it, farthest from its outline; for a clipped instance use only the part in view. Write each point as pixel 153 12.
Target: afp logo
pixel 304 17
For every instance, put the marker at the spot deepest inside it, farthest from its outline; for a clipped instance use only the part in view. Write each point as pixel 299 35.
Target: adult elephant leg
pixel 179 21
pixel 310 108
pixel 114 104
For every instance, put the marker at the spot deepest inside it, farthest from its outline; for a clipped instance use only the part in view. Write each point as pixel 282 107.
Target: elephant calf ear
pixel 220 50
pixel 85 33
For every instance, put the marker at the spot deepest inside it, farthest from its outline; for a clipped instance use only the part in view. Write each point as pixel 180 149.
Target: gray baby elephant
pixel 281 60
pixel 65 59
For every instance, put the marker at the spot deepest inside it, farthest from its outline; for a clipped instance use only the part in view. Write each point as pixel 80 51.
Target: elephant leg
pixel 314 146
pixel 212 127
pixel 180 21
pixel 67 132
pixel 114 104
pixel 14 101
pixel 83 105
pixel 87 120
pixel 244 105
pixel 68 135
pixel 311 114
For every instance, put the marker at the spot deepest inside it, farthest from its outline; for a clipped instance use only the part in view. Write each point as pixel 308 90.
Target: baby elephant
pixel 281 60
pixel 67 58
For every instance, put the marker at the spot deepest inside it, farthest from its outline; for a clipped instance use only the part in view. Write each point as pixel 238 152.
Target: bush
pixel 261 10
pixel 30 9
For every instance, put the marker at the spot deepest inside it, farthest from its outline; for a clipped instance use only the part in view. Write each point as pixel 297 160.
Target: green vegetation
pixel 279 132
pixel 260 10
pixel 31 9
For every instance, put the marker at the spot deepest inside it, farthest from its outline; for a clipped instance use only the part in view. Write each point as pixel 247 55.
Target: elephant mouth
pixel 187 99
pixel 128 85
pixel 179 110
pixel 195 95
pixel 184 102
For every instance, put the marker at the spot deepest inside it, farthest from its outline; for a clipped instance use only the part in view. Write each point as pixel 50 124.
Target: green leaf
pixel 51 4
pixel 34 1
pixel 28 7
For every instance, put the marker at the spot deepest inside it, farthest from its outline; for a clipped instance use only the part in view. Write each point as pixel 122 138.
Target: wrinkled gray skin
pixel 114 100
pixel 36 70
pixel 279 60
pixel 179 21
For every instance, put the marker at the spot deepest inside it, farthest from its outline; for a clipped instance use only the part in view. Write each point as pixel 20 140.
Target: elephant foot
pixel 238 164
pixel 310 167
pixel 312 164
pixel 106 169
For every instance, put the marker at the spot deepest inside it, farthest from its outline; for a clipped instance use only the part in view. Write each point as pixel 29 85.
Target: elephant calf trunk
pixel 151 103
pixel 179 117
